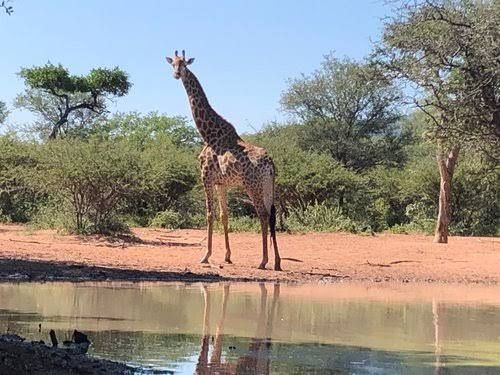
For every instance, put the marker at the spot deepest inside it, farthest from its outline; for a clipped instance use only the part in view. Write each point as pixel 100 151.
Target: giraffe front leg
pixel 209 198
pixel 224 218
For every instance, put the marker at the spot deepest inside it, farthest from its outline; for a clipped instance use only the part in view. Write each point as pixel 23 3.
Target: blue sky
pixel 245 50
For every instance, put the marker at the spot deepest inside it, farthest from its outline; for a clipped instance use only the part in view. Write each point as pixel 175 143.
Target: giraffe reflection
pixel 257 358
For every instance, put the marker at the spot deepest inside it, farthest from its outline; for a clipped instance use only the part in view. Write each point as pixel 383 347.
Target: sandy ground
pixel 158 254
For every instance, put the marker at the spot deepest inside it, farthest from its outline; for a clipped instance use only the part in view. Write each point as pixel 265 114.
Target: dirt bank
pixel 157 254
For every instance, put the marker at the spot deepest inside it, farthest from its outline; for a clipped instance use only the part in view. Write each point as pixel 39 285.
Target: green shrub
pixel 415 227
pixel 321 218
pixel 18 200
pixel 475 198
pixel 242 224
pixel 168 219
pixel 168 176
pixel 93 177
pixel 54 214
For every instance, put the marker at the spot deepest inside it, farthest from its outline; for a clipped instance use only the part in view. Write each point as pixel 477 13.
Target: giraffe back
pixel 242 164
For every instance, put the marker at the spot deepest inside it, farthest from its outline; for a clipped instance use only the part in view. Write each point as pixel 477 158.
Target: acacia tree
pixel 68 103
pixel 448 50
pixel 349 111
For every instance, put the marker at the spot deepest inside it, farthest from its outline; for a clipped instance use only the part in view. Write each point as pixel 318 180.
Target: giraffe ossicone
pixel 227 160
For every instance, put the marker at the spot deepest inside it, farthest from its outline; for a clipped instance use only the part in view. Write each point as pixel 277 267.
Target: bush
pixel 168 176
pixel 18 200
pixel 242 224
pixel 321 218
pixel 168 219
pixel 415 227
pixel 54 213
pixel 93 177
pixel 475 198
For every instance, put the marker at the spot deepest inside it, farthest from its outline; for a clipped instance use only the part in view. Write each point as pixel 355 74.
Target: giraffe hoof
pixel 204 261
pixel 262 267
pixel 277 268
pixel 228 261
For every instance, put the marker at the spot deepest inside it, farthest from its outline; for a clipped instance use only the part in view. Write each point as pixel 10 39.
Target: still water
pixel 267 328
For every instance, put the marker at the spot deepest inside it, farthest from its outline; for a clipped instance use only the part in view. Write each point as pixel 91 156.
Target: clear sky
pixel 245 50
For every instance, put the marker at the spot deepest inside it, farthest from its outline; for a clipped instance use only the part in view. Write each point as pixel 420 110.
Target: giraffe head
pixel 179 64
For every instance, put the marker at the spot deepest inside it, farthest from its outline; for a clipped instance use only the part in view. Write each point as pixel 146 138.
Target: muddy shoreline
pixel 18 356
pixel 14 270
pixel 165 255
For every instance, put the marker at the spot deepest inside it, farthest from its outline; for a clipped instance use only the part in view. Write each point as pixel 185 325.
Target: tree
pixel 349 110
pixel 67 104
pixel 3 112
pixel 449 50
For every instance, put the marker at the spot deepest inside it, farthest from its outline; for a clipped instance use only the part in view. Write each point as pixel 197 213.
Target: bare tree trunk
pixel 446 160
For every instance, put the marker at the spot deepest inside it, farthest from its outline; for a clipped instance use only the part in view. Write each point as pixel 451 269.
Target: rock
pixel 79 337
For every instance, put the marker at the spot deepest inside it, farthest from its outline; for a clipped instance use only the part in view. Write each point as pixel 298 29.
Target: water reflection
pixel 266 328
pixel 437 345
pixel 257 358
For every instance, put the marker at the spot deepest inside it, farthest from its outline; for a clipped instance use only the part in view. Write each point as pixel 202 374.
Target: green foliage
pixel 141 129
pixel 321 218
pixel 99 182
pixel 168 175
pixel 101 81
pixel 56 80
pixel 17 198
pixel 172 219
pixel 242 224
pixel 94 177
pixel 168 219
pixel 476 198
pixel 3 112
pixel 450 50
pixel 54 213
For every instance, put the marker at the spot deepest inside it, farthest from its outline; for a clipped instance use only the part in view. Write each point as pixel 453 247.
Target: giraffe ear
pixel 169 60
pixel 190 61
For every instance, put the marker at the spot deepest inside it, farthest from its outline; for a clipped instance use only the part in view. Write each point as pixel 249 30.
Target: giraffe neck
pixel 214 129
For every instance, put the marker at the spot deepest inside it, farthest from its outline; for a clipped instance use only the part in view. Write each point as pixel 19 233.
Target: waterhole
pixel 268 328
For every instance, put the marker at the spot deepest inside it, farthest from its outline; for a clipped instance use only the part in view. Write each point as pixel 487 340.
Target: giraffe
pixel 257 359
pixel 227 160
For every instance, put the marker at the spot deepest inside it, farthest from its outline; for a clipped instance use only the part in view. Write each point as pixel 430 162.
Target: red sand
pixel 326 257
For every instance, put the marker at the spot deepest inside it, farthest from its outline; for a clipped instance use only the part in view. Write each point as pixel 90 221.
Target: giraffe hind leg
pixel 264 218
pixel 272 230
pixel 268 197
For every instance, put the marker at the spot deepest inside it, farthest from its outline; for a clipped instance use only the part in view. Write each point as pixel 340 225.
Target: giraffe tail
pixel 272 221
